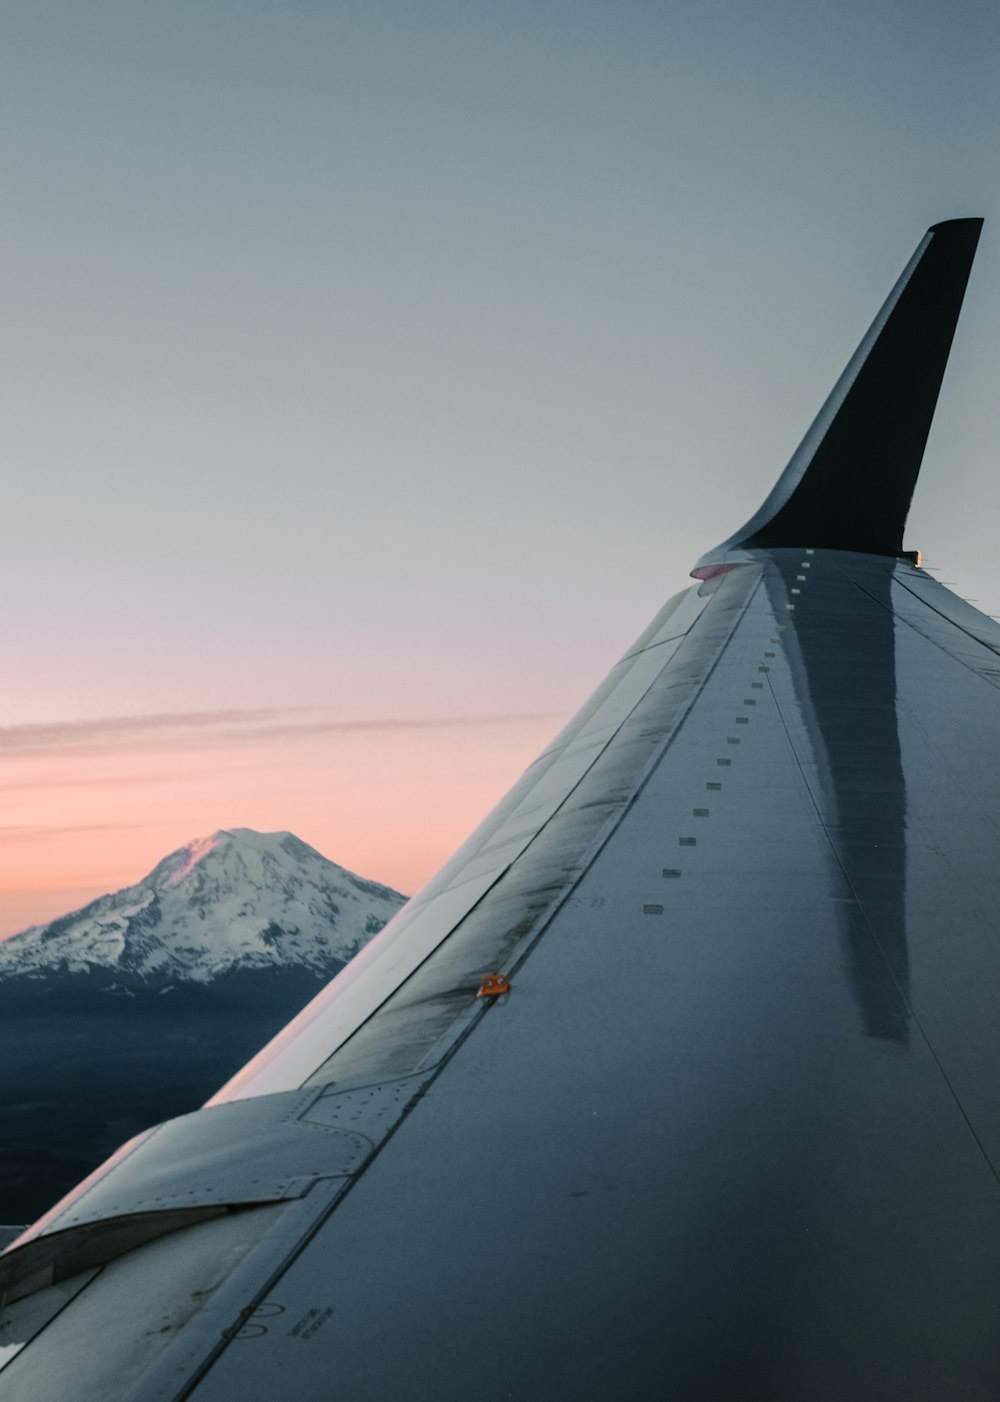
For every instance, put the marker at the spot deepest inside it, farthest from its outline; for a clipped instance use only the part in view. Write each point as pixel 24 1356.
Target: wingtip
pixel 849 483
pixel 973 224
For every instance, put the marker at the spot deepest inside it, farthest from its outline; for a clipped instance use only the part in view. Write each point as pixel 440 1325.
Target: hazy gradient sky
pixel 372 371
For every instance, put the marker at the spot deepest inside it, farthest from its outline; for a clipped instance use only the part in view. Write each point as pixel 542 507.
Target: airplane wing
pixel 680 1079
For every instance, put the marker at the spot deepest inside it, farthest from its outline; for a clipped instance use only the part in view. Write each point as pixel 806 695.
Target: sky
pixel 372 372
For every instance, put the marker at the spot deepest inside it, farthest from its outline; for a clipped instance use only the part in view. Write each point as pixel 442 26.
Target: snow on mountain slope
pixel 238 900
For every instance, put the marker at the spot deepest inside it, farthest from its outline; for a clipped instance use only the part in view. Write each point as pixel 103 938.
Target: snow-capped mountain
pixel 236 901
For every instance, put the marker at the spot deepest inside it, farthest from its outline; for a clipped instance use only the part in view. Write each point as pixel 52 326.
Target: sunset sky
pixel 373 371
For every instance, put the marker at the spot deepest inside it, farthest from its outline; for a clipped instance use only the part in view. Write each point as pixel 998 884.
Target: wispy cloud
pixel 212 728
pixel 42 834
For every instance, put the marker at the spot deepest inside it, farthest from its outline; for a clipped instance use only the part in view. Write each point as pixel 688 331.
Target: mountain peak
pixel 190 856
pixel 237 900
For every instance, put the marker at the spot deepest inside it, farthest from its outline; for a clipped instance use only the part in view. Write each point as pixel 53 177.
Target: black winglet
pixel 849 483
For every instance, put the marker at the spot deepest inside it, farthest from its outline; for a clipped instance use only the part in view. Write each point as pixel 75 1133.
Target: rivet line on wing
pixel 673 873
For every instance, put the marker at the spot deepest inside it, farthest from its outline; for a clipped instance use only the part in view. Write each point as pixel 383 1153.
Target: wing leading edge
pixel 732 1133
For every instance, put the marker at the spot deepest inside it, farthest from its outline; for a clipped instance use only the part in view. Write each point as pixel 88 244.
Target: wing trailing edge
pixel 849 483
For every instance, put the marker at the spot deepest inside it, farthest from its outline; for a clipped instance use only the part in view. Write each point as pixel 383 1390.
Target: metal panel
pixel 778 1181
pixel 103 1345
pixel 198 1166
